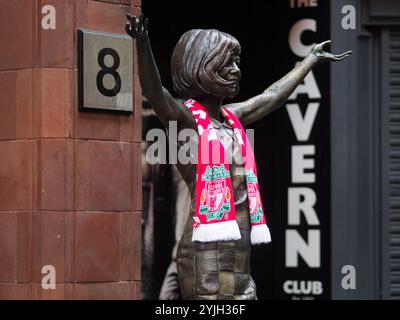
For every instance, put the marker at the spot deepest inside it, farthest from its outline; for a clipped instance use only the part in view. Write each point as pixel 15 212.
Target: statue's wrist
pixel 142 39
pixel 313 58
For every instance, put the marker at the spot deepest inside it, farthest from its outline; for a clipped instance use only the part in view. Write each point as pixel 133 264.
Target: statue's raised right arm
pixel 164 104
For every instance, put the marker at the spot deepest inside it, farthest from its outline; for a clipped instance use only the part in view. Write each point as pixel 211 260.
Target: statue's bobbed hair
pixel 196 61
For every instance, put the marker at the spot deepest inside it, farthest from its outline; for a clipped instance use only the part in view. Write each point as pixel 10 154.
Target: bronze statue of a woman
pixel 213 257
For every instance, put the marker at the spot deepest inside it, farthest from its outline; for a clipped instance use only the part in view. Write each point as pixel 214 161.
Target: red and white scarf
pixel 215 216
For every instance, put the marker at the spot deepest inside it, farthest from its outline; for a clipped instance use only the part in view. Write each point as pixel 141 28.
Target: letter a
pixel 49 280
pixel 49 20
pixel 349 281
pixel 349 20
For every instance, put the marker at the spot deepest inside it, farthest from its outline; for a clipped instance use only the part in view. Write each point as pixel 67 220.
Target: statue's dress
pixel 219 270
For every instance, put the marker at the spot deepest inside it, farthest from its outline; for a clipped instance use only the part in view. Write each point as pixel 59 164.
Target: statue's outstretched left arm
pixel 276 95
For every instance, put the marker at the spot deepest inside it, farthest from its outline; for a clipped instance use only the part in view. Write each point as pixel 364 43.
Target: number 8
pixel 108 70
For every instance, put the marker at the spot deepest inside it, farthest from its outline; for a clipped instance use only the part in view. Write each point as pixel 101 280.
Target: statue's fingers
pixel 326 43
pixel 320 46
pixel 130 17
pixel 140 23
pixel 328 55
pixel 141 18
pixel 132 20
pixel 349 53
pixel 341 57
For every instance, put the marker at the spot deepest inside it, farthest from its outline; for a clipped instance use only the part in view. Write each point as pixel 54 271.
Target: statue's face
pixel 231 72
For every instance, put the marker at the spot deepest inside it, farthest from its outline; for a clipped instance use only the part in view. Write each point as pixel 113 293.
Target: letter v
pixel 302 126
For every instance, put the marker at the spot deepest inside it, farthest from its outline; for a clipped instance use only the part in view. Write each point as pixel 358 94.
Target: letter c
pixel 298 28
pixel 286 287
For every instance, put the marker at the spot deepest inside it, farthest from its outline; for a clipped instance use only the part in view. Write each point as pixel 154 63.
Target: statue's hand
pixel 318 52
pixel 136 27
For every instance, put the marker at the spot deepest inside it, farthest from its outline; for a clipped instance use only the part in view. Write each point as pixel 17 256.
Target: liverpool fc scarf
pixel 215 217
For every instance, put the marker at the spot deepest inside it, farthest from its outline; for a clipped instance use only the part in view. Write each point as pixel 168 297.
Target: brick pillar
pixel 70 182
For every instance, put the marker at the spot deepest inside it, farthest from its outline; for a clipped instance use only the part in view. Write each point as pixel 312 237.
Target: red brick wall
pixel 70 182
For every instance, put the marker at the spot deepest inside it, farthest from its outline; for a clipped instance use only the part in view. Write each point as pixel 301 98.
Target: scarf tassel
pixel 260 234
pixel 222 231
